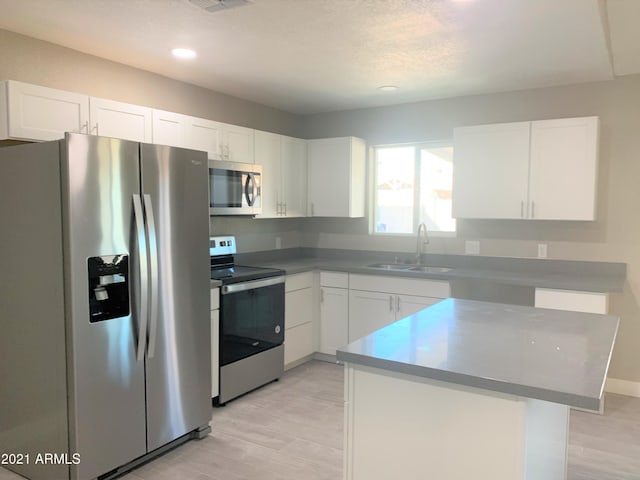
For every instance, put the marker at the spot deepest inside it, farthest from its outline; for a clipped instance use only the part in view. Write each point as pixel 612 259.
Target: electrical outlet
pixel 542 250
pixel 278 243
pixel 472 247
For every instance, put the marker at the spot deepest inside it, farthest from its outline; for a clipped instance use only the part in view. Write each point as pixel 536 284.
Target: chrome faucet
pixel 420 245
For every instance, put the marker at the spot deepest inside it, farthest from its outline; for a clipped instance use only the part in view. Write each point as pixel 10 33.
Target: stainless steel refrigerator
pixel 104 304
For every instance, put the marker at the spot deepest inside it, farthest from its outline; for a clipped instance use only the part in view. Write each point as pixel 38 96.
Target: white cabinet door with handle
pixel 120 120
pixel 369 311
pixel 334 321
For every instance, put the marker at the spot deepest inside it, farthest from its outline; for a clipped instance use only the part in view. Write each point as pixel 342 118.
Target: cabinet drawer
pixel 298 307
pixel 298 281
pixel 400 286
pixel 214 294
pixel 298 342
pixel 334 279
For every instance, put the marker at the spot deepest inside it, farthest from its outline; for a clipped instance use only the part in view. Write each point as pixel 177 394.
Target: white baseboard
pixel 622 387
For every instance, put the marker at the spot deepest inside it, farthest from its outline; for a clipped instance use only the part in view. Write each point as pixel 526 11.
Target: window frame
pixel 373 168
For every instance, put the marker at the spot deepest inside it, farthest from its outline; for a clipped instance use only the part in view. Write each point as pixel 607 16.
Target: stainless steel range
pixel 251 321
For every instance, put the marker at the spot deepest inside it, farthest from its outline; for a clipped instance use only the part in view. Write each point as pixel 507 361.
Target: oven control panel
pixel 222 245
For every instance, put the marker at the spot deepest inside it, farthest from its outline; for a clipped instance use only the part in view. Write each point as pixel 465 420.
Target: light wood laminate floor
pixel 292 430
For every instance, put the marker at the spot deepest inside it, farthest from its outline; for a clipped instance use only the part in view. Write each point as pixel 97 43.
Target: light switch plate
pixel 542 250
pixel 472 247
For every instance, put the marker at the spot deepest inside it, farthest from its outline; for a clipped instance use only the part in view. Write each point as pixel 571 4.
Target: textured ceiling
pixel 308 56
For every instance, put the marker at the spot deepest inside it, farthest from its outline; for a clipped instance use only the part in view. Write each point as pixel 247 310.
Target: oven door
pixel 234 188
pixel 251 318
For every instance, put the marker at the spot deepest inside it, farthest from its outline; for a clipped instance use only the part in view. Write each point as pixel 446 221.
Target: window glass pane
pixel 436 179
pixel 395 168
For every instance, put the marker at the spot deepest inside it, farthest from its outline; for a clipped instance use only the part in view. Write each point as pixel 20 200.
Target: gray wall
pixel 614 237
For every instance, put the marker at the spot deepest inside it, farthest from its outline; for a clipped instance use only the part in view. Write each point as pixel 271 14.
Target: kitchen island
pixel 466 389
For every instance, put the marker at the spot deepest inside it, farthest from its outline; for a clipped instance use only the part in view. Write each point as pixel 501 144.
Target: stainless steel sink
pixel 389 266
pixel 409 267
pixel 426 269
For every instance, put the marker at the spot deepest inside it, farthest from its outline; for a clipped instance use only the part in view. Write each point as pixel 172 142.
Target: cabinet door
pixel 267 154
pixel 334 319
pixel 120 120
pixel 331 178
pixel 215 353
pixel 297 307
pixel 368 312
pixel 408 304
pixel 294 176
pixel 564 159
pixel 206 135
pixel 169 128
pixel 40 113
pixel 491 171
pixel 237 144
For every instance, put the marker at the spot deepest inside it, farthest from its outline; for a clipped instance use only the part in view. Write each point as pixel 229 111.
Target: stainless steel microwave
pixel 234 188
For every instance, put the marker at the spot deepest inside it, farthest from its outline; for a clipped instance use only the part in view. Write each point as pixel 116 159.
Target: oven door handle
pixel 251 285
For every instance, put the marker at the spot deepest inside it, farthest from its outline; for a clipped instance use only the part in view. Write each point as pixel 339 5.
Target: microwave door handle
pixel 143 265
pixel 250 181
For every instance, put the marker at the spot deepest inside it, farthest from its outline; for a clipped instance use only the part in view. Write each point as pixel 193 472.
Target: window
pixel 412 184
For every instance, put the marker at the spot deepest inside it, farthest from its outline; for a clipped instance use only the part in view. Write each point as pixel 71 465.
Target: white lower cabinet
pixel 298 317
pixel 334 311
pixel 377 301
pixel 215 341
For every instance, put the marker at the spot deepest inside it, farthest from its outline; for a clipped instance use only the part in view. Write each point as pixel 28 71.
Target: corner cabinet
pixel 284 174
pixel 541 170
pixel 336 177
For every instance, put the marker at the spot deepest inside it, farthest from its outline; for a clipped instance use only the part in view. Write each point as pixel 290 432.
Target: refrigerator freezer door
pixel 107 396
pixel 179 371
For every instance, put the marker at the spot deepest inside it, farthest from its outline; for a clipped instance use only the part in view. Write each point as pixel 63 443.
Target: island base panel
pixel 401 426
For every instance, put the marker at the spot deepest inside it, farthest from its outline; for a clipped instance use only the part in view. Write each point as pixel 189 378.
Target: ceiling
pixel 310 56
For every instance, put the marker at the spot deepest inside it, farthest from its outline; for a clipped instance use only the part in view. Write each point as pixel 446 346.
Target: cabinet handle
pixel 285 208
pixel 95 128
pixel 278 204
pixel 391 303
pixel 397 304
pixel 533 209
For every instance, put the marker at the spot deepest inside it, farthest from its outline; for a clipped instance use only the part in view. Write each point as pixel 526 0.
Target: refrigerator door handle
pixel 144 276
pixel 153 276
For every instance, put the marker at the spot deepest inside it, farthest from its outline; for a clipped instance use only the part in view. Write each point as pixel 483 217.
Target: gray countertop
pixel 551 355
pixel 560 274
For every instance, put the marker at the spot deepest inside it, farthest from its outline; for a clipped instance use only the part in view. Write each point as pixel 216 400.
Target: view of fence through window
pixel 413 185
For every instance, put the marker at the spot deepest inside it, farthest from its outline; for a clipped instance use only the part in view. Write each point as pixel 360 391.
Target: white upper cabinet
pixel 293 165
pixel 284 174
pixel 169 128
pixel 119 120
pixel 490 170
pixel 336 177
pixel 34 113
pixel 564 169
pixel 542 170
pixel 236 144
pixel 267 154
pixel 203 134
pixel 221 141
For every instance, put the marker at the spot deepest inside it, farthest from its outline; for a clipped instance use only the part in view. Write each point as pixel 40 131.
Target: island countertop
pixel 552 355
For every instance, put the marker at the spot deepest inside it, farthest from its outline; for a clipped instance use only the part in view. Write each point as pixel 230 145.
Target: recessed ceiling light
pixel 185 53
pixel 388 88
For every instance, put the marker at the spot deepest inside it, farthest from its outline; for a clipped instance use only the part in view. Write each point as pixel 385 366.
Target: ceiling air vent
pixel 213 6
